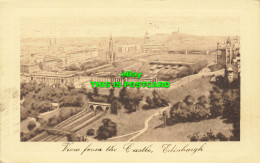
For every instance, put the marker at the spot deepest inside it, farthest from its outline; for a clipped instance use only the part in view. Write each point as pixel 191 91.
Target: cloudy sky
pixel 134 26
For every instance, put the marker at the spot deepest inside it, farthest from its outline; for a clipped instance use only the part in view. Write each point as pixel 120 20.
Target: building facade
pixel 52 78
pixel 152 46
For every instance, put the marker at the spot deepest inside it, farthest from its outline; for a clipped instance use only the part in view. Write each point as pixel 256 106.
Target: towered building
pixel 229 56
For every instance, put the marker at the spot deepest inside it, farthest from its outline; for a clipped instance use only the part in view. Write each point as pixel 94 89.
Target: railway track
pixel 80 123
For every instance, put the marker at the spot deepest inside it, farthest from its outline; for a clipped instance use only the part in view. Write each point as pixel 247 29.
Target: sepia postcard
pixel 132 81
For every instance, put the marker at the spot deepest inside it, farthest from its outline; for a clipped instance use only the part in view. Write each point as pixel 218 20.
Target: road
pixel 146 125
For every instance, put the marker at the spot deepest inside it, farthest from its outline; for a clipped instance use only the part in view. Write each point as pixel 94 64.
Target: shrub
pixel 221 137
pixel 209 136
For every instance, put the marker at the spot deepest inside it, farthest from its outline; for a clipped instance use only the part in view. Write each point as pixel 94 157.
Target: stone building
pixel 53 78
pixel 127 49
pixel 152 46
pixel 229 56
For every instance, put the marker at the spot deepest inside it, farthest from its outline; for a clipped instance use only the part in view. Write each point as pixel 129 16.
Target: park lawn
pixel 180 132
pixel 126 123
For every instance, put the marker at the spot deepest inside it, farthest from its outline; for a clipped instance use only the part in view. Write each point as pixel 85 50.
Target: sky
pixel 130 26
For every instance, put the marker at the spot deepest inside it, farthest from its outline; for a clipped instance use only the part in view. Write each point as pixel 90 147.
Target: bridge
pixel 171 63
pixel 98 106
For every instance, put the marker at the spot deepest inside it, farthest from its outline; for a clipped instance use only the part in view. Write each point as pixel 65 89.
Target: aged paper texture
pixel 132 81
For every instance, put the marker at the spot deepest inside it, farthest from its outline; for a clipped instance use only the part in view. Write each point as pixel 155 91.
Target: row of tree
pixel 223 101
pixel 155 102
pixel 38 98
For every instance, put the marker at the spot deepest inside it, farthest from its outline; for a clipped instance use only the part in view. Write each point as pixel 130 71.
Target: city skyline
pixel 129 26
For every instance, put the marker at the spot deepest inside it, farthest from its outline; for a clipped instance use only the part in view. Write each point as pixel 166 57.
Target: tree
pixel 216 102
pixel 31 125
pixel 137 101
pixel 231 112
pixel 115 106
pixel 164 118
pixel 123 95
pixel 157 100
pixel 148 100
pixel 107 130
pixel 72 137
pixel 111 95
pixel 95 91
pixel 83 90
pixel 70 86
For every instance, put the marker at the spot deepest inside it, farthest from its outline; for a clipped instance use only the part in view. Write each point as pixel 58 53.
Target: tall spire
pixel 110 50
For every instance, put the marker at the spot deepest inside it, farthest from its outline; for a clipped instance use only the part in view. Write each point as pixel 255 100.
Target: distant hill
pixel 181 41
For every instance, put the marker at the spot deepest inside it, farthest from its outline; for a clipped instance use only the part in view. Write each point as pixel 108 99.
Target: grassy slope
pixel 179 132
pixel 195 88
pixel 126 123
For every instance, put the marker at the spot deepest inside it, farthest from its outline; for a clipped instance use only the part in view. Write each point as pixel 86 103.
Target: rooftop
pixel 53 74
